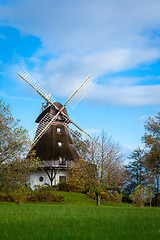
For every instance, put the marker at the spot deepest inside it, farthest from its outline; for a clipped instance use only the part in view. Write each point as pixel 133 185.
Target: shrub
pixel 44 187
pixel 112 197
pixel 126 199
pixel 43 193
pixel 20 195
pixel 45 196
pixel 63 186
pixel 55 188
pixel 3 197
pixel 67 187
pixel 141 196
pixel 118 198
pixel 108 197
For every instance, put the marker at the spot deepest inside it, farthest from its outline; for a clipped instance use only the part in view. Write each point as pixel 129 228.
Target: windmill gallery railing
pixel 56 163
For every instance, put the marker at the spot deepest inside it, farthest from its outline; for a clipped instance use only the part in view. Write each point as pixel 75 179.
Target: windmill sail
pixel 44 124
pixel 43 92
pixel 82 91
pixel 74 99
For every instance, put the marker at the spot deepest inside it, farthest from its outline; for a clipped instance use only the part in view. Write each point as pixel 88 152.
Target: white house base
pixel 41 177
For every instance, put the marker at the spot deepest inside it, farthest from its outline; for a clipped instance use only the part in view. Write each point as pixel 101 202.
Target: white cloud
pixel 143 118
pixel 84 25
pixel 126 96
pixel 132 81
pixel 98 37
pixel 124 92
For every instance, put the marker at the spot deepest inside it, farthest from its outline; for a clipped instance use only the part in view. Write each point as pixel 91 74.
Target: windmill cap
pixel 53 111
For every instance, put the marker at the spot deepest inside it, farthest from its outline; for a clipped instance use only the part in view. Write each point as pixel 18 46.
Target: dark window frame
pixel 41 179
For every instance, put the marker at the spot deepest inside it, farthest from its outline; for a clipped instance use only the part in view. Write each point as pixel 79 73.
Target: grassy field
pixel 77 218
pixel 79 199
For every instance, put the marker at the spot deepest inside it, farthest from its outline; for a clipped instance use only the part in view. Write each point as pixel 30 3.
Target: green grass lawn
pixel 77 218
pixel 79 199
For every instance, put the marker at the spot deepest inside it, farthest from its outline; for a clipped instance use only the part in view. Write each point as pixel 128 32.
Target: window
pixel 62 161
pixel 60 144
pixel 59 130
pixel 62 179
pixel 41 179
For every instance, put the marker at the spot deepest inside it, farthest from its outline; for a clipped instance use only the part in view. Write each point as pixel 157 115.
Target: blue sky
pixel 61 42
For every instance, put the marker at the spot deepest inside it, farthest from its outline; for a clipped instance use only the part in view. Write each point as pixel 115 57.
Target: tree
pixel 81 145
pixel 14 143
pixel 110 162
pixel 141 196
pixel 152 143
pixel 136 171
pixel 101 169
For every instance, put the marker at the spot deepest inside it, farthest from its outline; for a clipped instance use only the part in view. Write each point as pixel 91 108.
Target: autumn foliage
pixel 14 144
pixel 99 169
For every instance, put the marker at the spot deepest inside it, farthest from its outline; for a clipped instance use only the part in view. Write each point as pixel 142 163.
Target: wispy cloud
pixel 2 36
pixel 128 149
pixel 5 95
pixel 126 96
pixel 85 25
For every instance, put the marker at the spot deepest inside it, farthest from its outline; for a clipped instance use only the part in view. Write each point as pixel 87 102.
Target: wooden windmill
pixel 53 142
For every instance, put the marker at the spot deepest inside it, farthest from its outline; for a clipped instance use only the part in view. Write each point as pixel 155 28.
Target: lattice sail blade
pixel 73 126
pixel 32 133
pixel 44 93
pixel 44 127
pixel 36 133
pixel 78 135
pixel 82 91
pixel 75 134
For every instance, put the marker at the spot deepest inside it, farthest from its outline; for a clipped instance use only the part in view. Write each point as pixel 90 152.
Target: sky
pixel 60 43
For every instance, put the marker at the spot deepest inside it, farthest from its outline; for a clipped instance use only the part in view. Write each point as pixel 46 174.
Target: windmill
pixel 53 142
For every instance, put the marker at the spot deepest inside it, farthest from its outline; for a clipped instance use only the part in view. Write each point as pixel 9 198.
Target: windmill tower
pixel 55 147
pixel 53 142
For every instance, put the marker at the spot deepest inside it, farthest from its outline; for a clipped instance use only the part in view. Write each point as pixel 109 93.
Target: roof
pixel 47 147
pixel 53 111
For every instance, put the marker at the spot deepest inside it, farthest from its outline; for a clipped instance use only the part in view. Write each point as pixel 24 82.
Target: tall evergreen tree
pixel 136 171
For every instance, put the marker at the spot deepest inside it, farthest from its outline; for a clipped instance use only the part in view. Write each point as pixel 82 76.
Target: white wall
pixel 34 178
